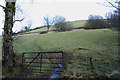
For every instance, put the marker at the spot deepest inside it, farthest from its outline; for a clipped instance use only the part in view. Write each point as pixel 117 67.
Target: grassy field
pixel 66 40
pixel 99 44
pixel 78 23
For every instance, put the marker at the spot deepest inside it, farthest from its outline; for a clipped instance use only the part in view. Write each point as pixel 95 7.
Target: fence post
pixel 23 61
pixel 65 59
pixel 23 58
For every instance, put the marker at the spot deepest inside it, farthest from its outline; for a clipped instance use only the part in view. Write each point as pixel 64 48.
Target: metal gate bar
pixel 40 62
pixel 39 57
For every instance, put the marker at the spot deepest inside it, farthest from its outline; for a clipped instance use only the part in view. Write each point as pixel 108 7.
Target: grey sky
pixel 34 10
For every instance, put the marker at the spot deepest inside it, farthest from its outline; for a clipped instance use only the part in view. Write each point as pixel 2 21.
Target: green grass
pixel 88 39
pixel 78 23
pixel 100 44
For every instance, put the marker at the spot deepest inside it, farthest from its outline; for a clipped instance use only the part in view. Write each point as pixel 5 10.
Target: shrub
pixel 95 22
pixel 113 19
pixel 43 32
pixel 61 25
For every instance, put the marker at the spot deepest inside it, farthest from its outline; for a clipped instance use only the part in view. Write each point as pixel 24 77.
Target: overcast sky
pixel 33 11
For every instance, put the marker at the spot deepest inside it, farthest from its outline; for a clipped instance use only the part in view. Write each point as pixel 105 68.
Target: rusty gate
pixel 42 62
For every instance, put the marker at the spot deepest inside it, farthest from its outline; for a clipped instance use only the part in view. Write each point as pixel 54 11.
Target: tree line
pixel 97 22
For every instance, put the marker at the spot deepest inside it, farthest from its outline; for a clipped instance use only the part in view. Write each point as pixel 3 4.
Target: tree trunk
pixel 119 16
pixel 48 28
pixel 7 37
pixel 119 32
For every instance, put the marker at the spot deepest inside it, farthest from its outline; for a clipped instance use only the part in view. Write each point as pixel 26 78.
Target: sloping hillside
pixel 80 45
pixel 75 24
pixel 78 23
pixel 100 44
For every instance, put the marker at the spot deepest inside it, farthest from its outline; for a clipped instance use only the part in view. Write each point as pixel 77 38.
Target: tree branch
pixel 112 5
pixel 104 5
pixel 2 6
pixel 18 20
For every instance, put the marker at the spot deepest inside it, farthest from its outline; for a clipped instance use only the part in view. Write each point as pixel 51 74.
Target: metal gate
pixel 43 62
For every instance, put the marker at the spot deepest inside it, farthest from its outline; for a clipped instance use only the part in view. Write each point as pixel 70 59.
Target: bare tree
pixel 8 54
pixel 9 10
pixel 48 22
pixel 61 25
pixel 59 19
pixel 114 3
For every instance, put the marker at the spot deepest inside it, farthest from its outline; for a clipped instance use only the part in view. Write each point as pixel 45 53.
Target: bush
pixel 95 22
pixel 43 32
pixel 113 19
pixel 63 27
